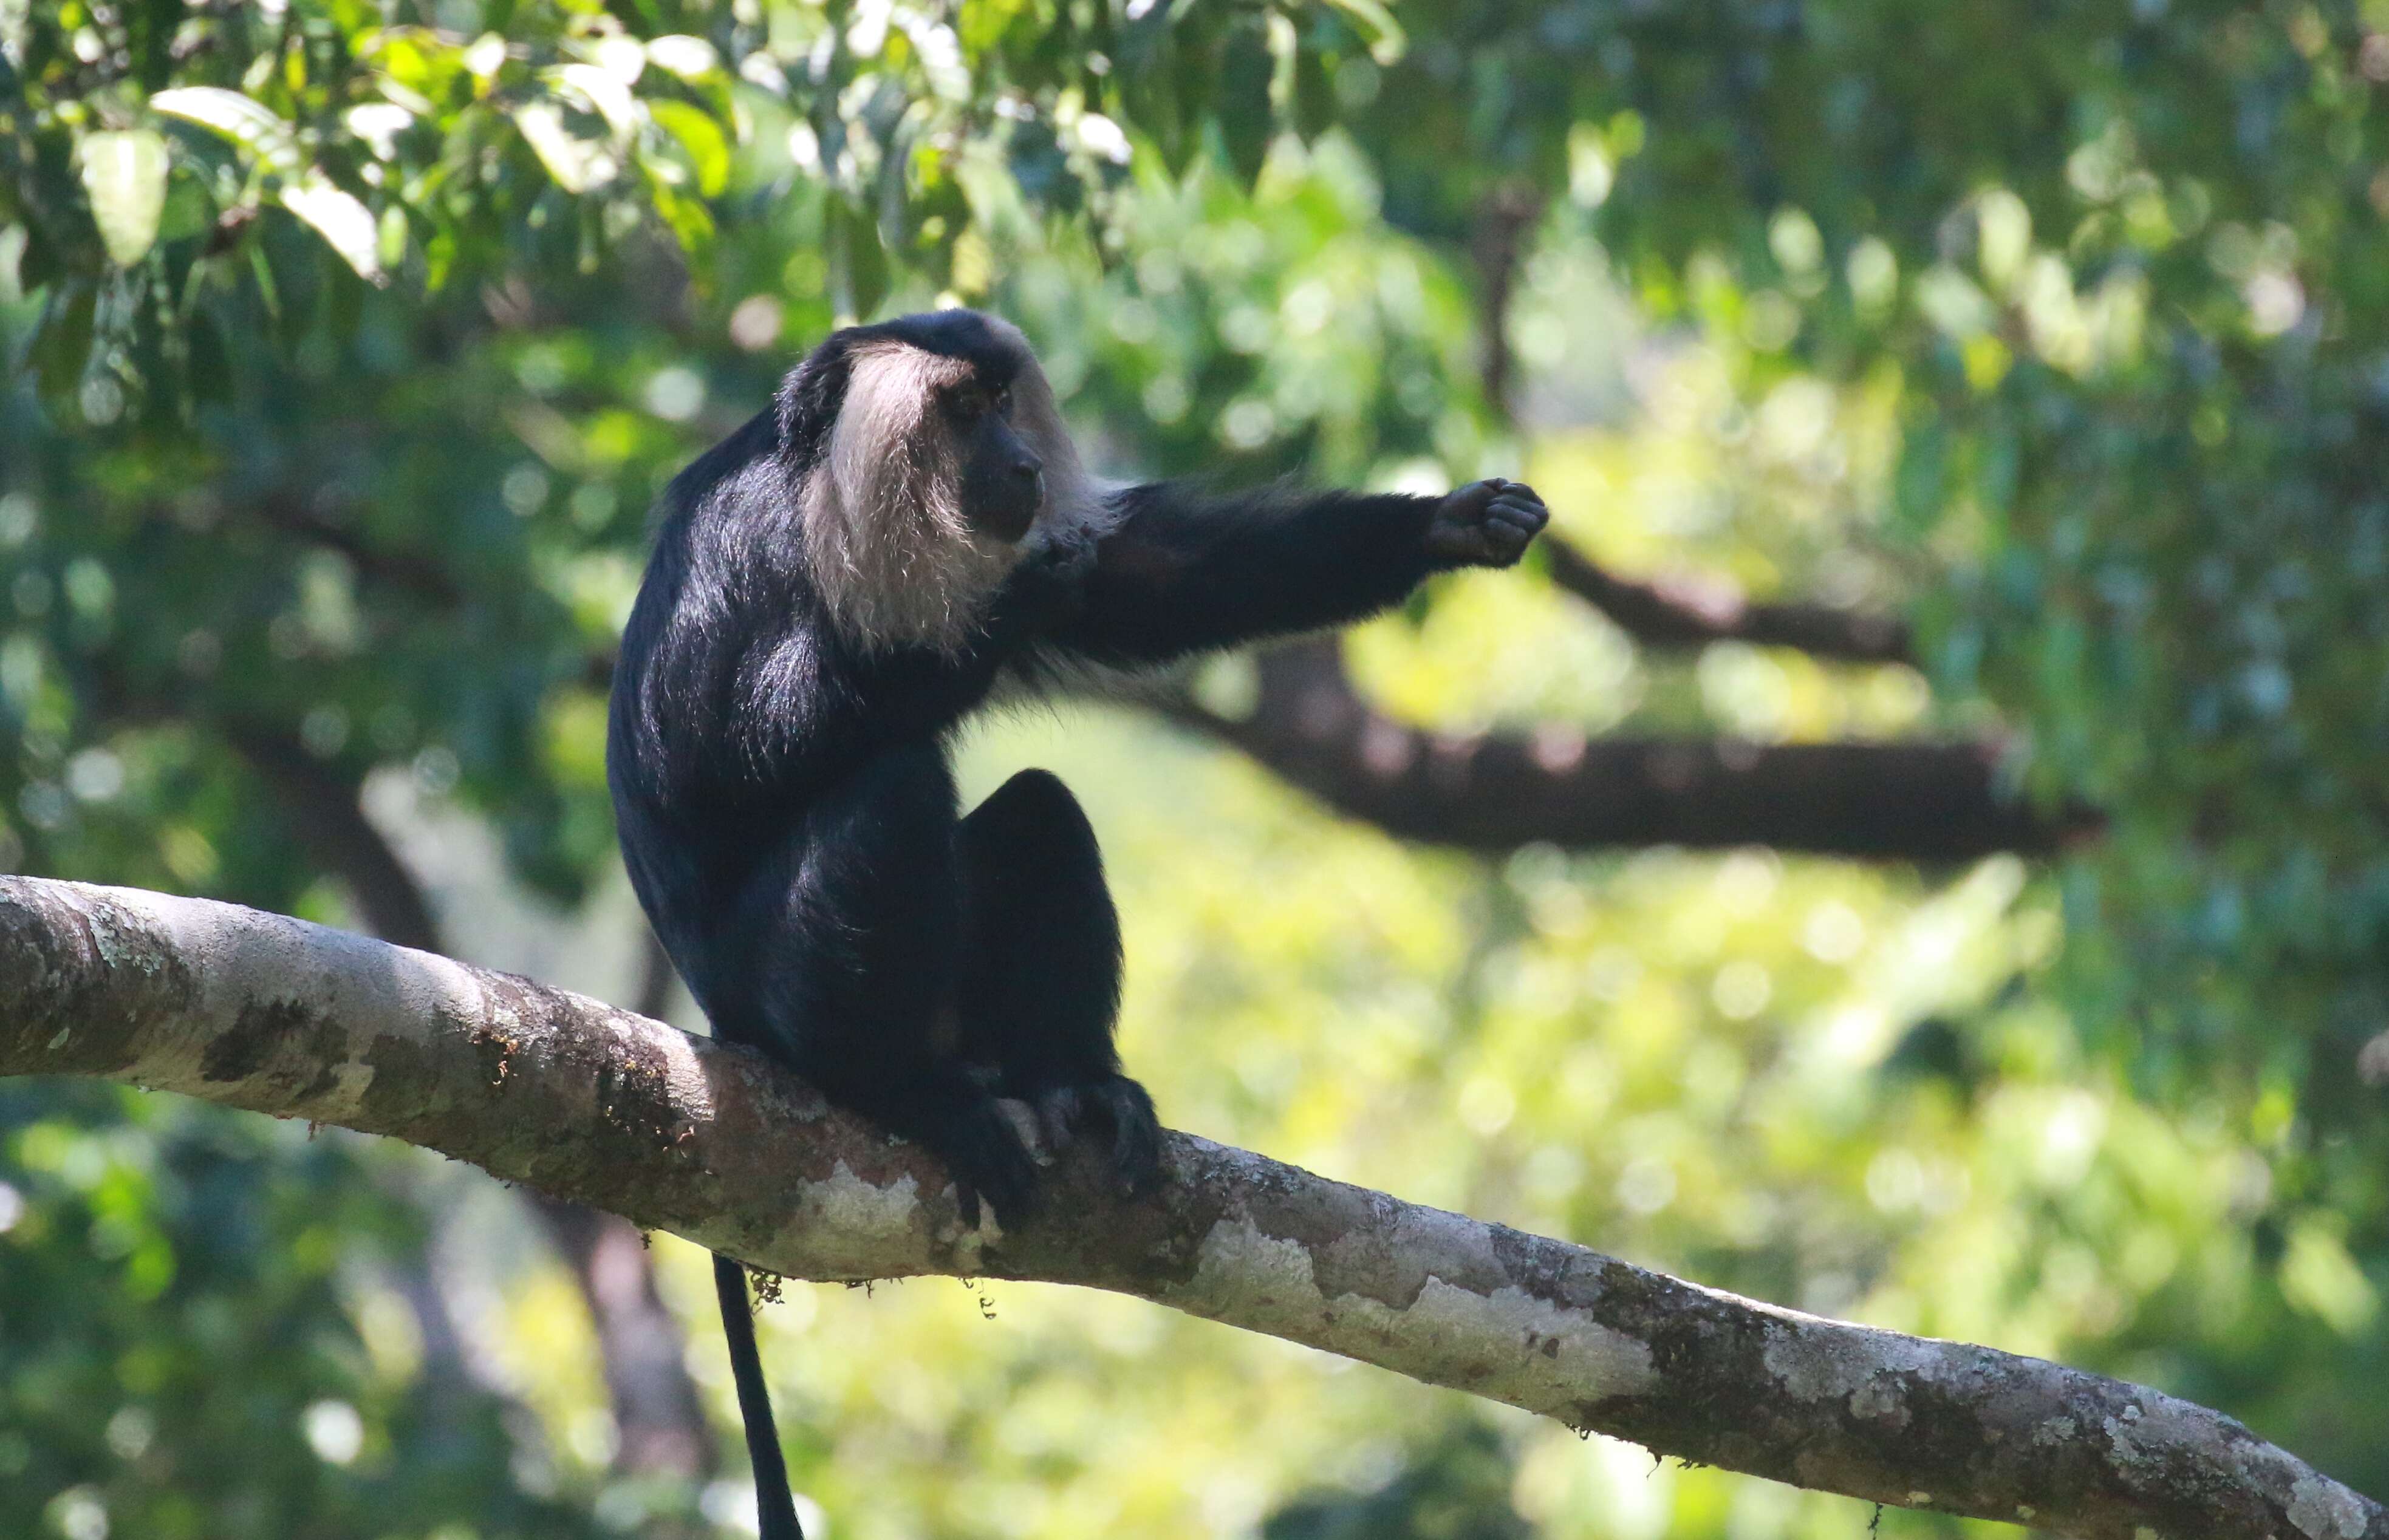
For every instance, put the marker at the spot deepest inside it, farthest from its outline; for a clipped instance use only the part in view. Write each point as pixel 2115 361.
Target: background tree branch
pixel 1889 801
pixel 1696 612
pixel 600 1106
pixel 324 812
pixel 1667 613
pixel 1495 792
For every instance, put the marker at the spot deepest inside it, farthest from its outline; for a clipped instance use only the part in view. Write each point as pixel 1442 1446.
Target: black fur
pixel 790 823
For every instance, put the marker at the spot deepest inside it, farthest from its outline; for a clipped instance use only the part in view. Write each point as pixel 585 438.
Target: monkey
pixel 833 589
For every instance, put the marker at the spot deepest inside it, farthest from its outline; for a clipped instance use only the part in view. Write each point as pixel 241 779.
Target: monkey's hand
pixel 1049 585
pixel 1486 523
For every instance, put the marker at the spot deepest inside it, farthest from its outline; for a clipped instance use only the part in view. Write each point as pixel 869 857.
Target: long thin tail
pixel 773 1501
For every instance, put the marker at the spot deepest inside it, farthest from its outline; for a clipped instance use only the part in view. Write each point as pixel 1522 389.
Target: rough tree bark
pixel 657 1412
pixel 600 1106
pixel 657 1415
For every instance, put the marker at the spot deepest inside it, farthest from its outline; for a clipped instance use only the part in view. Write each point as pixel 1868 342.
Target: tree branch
pixel 1506 217
pixel 1883 801
pixel 599 1106
pixel 1665 613
pixel 1928 801
pixel 660 1422
pixel 1685 613
pixel 288 512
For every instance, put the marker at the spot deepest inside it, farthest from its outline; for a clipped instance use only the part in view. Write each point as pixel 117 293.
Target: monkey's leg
pixel 853 936
pixel 1041 971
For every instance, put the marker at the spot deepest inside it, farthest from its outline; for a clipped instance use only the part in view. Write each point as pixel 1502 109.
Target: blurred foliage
pixel 347 346
pixel 206 1335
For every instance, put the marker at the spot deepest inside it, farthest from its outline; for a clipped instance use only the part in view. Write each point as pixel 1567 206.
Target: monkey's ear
pixel 810 401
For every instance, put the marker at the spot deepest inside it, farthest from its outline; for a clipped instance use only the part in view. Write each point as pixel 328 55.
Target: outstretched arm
pixel 1179 573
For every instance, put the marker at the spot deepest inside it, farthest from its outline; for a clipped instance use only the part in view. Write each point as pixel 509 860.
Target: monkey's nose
pixel 1026 467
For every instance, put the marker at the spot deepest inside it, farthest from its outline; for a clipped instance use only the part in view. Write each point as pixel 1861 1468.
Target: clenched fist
pixel 1486 523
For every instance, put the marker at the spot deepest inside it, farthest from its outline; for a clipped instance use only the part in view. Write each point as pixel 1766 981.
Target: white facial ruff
pixel 886 538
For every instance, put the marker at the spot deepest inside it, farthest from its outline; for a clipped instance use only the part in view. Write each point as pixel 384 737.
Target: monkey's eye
pixel 1003 402
pixel 970 401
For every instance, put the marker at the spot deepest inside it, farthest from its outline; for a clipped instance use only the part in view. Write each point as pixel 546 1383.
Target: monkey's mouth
pixel 1011 516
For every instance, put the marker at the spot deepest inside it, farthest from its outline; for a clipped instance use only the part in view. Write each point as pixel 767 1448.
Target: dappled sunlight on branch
pixel 600 1106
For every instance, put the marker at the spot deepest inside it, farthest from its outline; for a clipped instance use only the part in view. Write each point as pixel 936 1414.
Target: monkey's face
pixel 1003 479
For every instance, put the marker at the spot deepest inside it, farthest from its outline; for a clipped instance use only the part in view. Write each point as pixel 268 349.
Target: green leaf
pixel 608 94
pixel 707 147
pixel 125 175
pixel 1245 119
pixel 188 212
pixel 209 376
pixel 245 122
pixel 692 58
pixel 63 349
pixel 1151 100
pixel 1386 41
pixel 345 223
pixel 37 263
pixel 390 246
pixel 567 158
pixel 1314 97
pixel 858 263
pixel 691 221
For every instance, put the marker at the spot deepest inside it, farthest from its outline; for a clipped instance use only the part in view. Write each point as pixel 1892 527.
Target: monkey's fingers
pixel 1525 513
pixel 1507 531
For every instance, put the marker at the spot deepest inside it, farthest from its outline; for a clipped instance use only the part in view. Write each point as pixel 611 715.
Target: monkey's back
pixel 703 785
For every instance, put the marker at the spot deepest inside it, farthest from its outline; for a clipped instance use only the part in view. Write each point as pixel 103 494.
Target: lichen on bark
pixel 597 1105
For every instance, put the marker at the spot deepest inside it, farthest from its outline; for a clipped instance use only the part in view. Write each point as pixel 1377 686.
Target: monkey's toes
pixel 1060 1112
pixel 1136 1134
pixel 1115 1103
pixel 984 1153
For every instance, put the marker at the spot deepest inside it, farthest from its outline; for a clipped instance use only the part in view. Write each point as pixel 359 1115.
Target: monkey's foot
pixel 961 1122
pixel 983 1149
pixel 1114 1102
